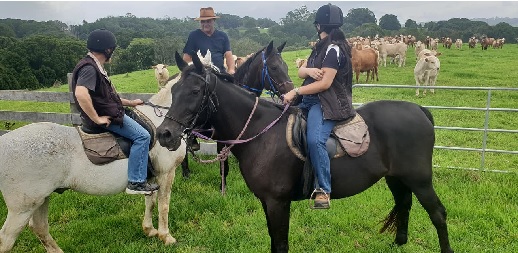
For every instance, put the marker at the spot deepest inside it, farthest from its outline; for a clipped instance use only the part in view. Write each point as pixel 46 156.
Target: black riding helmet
pixel 329 16
pixel 100 40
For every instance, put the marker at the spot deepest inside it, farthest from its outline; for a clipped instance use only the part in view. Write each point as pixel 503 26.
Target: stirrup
pixel 313 195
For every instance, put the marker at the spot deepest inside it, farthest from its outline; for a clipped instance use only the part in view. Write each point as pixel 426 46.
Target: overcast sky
pixel 74 12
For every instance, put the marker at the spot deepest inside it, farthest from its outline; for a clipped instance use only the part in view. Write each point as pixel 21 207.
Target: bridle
pixel 209 100
pixel 266 77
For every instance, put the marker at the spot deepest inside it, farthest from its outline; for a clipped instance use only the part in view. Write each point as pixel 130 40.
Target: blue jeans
pixel 137 162
pixel 318 131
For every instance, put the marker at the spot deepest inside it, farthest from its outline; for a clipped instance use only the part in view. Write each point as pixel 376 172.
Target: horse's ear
pixel 179 61
pixel 197 63
pixel 281 47
pixel 269 48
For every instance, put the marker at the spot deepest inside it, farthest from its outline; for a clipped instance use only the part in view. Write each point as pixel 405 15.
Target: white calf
pixel 425 72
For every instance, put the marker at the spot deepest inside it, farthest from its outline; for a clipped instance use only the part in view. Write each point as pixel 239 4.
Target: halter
pixel 265 75
pixel 209 100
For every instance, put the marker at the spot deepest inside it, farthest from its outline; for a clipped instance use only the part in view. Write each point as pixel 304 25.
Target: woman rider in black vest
pixel 326 94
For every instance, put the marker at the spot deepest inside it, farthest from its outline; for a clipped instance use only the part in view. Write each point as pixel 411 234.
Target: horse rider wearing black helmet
pixel 326 94
pixel 100 106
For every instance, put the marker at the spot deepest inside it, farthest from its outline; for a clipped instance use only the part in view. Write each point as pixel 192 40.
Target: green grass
pixel 481 206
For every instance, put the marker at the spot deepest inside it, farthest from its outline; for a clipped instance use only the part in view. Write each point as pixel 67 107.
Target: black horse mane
pixel 243 69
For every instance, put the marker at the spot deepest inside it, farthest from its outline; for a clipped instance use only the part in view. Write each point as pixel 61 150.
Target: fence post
pixel 73 109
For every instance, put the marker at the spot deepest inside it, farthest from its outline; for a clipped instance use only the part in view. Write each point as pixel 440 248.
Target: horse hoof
pixel 168 239
pixel 151 232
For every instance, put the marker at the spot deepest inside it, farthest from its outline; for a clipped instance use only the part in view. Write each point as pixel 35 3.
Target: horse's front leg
pixel 147 222
pixel 164 197
pixel 278 220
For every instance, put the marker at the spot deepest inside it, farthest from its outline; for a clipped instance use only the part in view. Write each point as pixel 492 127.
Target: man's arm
pixel 187 58
pixel 231 64
pixel 85 102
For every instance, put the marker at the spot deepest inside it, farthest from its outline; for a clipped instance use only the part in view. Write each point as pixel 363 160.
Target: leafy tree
pixel 265 22
pixel 244 46
pixel 164 49
pixel 410 23
pixel 233 33
pixel 390 22
pixel 368 29
pixel 298 15
pixel 6 31
pixel 228 21
pixel 249 22
pixel 504 30
pixel 359 16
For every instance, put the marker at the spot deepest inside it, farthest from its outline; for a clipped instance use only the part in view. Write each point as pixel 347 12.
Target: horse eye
pixel 195 92
pixel 274 68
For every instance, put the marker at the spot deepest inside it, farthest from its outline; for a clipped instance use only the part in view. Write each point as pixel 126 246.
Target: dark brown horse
pixel 402 139
pixel 264 70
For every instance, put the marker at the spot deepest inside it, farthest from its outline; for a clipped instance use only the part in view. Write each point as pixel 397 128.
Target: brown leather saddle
pixel 102 146
pixel 349 137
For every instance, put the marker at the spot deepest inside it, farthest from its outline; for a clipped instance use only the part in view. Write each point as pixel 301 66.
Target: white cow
pixel 393 50
pixel 425 72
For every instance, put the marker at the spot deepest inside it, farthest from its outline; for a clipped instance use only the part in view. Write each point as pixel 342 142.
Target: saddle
pixel 102 146
pixel 349 137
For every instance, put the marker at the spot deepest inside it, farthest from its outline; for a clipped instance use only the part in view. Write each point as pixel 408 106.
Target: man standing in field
pixel 207 37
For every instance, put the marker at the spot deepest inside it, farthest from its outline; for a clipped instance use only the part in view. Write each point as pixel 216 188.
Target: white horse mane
pixel 207 60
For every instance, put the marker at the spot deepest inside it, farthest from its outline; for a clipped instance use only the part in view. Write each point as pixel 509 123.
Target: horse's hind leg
pixel 13 225
pixel 39 225
pixel 433 206
pixel 398 217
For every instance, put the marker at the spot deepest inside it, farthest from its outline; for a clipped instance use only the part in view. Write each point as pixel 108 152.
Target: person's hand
pixel 103 120
pixel 231 71
pixel 315 73
pixel 289 97
pixel 136 102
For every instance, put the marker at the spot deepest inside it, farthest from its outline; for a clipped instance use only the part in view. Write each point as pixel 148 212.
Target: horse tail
pixel 428 114
pixel 390 221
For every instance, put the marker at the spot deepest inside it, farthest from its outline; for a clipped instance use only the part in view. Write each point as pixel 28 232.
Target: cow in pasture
pixel 433 44
pixel 364 60
pixel 419 46
pixel 393 50
pixel 485 42
pixel 447 42
pixel 425 73
pixel 458 44
pixel 472 42
pixel 161 74
pixel 427 52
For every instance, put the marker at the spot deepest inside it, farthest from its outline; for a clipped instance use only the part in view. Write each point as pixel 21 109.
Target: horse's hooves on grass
pixel 168 239
pixel 151 232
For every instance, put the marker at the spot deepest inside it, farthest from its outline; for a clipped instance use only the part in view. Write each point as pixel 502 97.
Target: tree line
pixel 40 54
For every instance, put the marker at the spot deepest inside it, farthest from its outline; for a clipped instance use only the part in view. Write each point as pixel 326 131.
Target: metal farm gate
pixel 485 130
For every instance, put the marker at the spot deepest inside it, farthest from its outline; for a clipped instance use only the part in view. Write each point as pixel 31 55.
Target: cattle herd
pixel 370 53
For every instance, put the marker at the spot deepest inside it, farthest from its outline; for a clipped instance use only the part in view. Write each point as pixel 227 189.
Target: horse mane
pixel 163 97
pixel 242 71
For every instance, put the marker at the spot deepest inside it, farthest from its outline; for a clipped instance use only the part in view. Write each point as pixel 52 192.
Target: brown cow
pixel 365 60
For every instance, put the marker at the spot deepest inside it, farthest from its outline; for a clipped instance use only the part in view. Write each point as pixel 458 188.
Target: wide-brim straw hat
pixel 206 13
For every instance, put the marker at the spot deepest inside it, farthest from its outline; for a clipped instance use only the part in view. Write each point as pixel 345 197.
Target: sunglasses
pixel 206 21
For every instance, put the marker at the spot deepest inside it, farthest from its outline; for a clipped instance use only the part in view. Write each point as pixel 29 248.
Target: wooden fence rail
pixel 42 96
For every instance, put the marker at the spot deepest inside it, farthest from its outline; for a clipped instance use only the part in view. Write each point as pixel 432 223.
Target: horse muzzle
pixel 168 139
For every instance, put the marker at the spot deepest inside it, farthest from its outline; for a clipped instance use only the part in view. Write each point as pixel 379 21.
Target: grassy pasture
pixel 481 206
